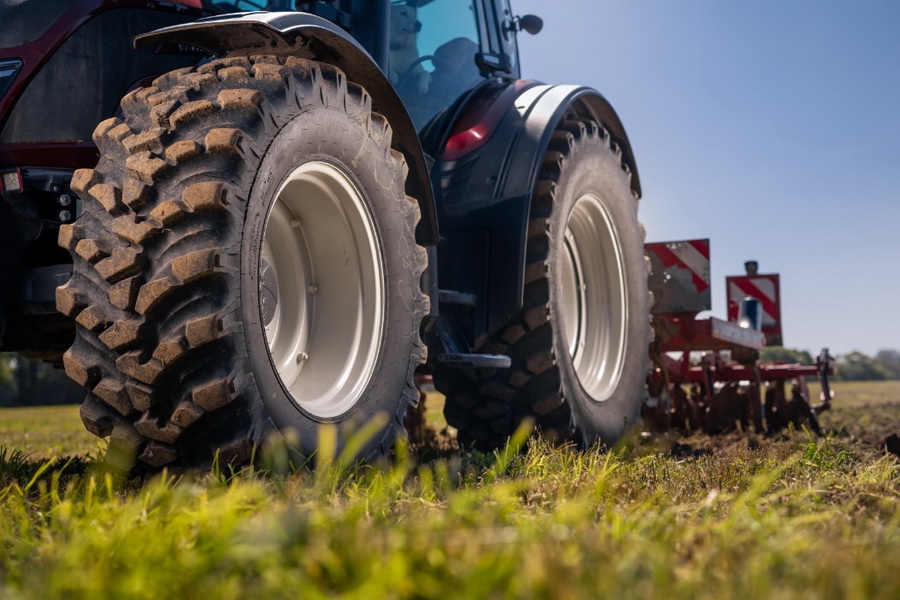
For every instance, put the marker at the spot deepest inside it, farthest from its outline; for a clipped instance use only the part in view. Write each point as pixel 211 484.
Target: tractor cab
pixel 433 51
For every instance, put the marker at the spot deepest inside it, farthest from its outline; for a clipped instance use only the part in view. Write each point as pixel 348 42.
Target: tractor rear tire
pixel 246 257
pixel 579 347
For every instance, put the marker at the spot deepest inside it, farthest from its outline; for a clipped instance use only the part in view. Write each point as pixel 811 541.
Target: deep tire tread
pixel 487 406
pixel 157 333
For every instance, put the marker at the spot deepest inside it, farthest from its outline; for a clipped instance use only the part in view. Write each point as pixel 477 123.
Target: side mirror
pixel 530 23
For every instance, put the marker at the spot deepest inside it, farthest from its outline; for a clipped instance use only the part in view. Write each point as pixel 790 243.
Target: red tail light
pixel 480 119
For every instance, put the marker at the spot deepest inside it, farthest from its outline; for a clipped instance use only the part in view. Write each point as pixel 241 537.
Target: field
pixel 740 516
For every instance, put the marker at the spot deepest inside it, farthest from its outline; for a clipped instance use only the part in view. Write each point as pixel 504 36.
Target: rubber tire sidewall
pixel 593 169
pixel 335 137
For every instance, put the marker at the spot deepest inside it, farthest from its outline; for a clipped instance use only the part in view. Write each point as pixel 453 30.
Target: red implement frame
pixel 707 374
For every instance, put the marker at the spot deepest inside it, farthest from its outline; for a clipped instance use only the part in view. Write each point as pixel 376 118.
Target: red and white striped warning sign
pixel 766 289
pixel 692 255
pixel 679 276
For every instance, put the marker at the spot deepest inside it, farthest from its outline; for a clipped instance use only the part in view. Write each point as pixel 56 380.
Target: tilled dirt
pixel 869 431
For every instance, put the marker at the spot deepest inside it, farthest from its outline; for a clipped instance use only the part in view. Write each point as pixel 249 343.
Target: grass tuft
pixel 730 517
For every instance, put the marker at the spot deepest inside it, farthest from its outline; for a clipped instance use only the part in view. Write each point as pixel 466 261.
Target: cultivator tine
pixel 825 365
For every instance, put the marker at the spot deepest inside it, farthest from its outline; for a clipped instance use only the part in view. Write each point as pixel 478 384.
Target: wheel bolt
pixel 302 357
pixel 312 289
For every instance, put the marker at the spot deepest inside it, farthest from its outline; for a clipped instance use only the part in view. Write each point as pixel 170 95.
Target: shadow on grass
pixel 18 468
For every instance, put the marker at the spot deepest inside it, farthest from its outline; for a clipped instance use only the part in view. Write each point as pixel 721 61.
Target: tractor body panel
pixel 64 66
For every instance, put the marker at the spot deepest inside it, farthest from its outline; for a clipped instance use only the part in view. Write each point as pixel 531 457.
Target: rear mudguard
pixel 484 191
pixel 310 36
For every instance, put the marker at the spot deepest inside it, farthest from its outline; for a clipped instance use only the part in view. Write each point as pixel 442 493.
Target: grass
pixel 863 414
pixel 785 517
pixel 46 432
pixel 857 394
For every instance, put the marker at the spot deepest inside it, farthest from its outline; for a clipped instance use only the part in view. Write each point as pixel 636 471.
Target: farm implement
pixel 707 374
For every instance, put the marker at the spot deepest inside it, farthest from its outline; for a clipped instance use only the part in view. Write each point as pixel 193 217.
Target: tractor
pixel 232 219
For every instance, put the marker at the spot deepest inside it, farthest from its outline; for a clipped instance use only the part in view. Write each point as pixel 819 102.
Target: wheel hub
pixel 321 289
pixel 593 302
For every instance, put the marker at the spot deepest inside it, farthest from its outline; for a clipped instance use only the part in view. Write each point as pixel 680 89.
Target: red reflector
pixel 12 182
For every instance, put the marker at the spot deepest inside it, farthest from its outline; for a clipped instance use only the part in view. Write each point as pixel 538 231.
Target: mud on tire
pixel 173 290
pixel 579 346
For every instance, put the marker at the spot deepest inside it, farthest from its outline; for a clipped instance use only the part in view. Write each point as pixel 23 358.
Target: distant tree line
pixel 26 382
pixel 854 366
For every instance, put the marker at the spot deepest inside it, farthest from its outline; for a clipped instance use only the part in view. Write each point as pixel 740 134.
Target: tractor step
pixel 461 298
pixel 478 361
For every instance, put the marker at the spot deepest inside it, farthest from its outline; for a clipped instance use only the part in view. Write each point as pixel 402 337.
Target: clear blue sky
pixel 771 127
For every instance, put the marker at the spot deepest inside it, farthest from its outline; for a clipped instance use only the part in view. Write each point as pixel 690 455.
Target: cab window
pixel 433 45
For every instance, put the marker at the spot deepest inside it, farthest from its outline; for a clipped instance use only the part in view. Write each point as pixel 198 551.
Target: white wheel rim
pixel 593 303
pixel 321 289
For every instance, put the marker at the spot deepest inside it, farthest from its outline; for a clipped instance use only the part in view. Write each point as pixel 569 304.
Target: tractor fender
pixel 309 36
pixel 485 193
